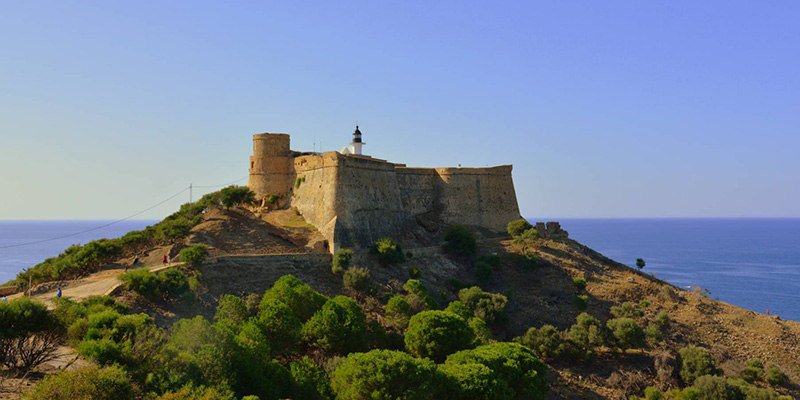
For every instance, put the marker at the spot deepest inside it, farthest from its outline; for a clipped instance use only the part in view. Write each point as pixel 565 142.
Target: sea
pixel 751 263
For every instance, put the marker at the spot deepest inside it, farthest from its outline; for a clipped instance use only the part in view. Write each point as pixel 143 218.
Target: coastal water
pixel 12 233
pixel 752 263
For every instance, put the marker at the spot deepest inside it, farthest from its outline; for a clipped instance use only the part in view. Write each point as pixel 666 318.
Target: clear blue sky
pixel 606 109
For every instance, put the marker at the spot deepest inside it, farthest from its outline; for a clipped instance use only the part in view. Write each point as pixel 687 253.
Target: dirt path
pixel 100 283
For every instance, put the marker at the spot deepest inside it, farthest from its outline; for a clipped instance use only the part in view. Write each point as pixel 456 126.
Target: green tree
pixel 257 373
pixel 299 297
pixel 513 364
pixel 280 325
pixel 195 255
pixel 436 334
pixel 640 263
pixel 418 296
pixel 232 308
pixel 236 195
pixel 310 381
pixel 458 308
pixel 476 382
pixel 580 283
pixel 546 342
pixel 460 240
pixel 517 227
pixel 29 334
pixel 340 327
pixel 387 374
pixel 587 333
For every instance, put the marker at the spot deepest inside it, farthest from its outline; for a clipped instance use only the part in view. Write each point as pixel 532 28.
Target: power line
pixel 216 186
pixel 118 221
pixel 98 227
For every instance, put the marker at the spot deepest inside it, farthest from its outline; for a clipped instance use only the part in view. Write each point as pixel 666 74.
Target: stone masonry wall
pixel 355 200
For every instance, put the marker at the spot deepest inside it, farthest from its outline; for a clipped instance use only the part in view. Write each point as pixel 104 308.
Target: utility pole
pixel 190 193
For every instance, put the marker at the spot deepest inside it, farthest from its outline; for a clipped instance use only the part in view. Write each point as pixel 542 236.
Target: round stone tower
pixel 271 167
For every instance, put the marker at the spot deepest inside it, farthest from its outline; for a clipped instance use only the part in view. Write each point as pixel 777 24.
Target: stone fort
pixel 354 199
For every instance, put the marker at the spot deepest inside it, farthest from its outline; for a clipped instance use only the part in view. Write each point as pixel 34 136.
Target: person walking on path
pixel 59 293
pixel 164 259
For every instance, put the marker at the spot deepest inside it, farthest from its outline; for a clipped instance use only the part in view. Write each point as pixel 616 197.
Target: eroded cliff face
pixel 355 200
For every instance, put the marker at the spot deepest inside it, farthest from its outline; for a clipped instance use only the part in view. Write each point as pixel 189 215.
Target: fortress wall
pixel 369 202
pixel 420 189
pixel 479 196
pixel 270 165
pixel 316 196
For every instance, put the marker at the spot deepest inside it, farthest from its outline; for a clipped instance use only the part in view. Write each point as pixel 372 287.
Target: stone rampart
pixel 354 200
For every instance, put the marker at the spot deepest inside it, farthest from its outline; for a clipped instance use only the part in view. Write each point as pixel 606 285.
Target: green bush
pixel 357 280
pixel 299 297
pixel 339 327
pixel 776 377
pixel 436 334
pixel 195 255
pixel 640 263
pixel 627 310
pixel 651 393
pixel 232 308
pixel 580 283
pixel 29 334
pixel 172 282
pixel 526 238
pixel 87 383
pixel 587 333
pixel 388 251
pixel 516 228
pixel 341 261
pixel 715 387
pixel 398 312
pixel 460 240
pixel 581 302
pixel 662 320
pixel 142 281
pixel 104 351
pixel 489 307
pixel 515 367
pixel 167 283
pixel 627 333
pixel 401 376
pixel 546 342
pixel 653 332
pixel 694 362
pixel 236 195
pixel 414 273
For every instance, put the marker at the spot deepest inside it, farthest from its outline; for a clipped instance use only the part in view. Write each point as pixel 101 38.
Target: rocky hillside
pixel 538 295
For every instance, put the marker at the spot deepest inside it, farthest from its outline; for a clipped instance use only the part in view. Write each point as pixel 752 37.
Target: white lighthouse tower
pixel 355 146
